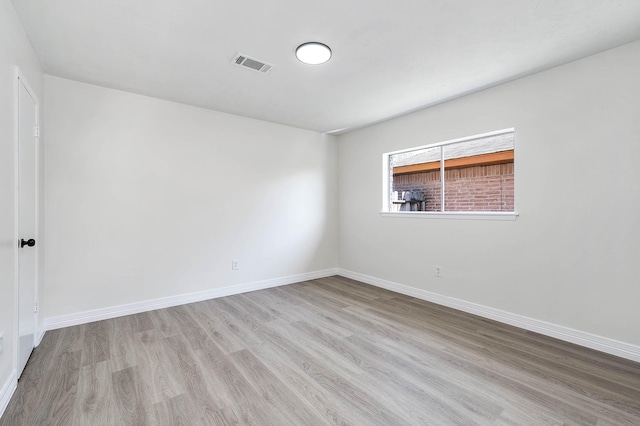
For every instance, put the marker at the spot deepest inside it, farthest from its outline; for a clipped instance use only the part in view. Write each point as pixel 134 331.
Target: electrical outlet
pixel 235 265
pixel 1 343
pixel 439 271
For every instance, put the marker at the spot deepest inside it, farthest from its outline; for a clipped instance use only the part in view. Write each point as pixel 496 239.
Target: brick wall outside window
pixel 477 188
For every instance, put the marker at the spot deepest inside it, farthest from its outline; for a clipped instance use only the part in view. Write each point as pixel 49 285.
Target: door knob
pixel 29 243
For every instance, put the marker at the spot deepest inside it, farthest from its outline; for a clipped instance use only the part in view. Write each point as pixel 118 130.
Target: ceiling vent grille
pixel 246 61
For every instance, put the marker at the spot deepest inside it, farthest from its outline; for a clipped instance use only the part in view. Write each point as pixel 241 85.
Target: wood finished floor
pixel 329 351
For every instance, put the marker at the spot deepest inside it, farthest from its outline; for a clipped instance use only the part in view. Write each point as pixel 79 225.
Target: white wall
pixel 572 258
pixel 15 50
pixel 148 198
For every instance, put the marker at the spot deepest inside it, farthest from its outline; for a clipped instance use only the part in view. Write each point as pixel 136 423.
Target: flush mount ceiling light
pixel 313 53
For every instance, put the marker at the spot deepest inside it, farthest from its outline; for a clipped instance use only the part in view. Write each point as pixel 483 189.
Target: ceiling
pixel 389 58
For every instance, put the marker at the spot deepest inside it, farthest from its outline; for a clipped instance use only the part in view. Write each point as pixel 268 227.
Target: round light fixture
pixel 313 53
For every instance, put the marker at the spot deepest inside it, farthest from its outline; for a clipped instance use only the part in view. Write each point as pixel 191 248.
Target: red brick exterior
pixel 478 188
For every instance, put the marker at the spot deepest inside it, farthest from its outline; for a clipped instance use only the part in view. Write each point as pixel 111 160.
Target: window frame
pixel 386 184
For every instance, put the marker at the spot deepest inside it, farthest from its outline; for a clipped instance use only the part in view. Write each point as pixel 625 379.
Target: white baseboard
pixel 7 391
pixel 39 335
pixel 599 343
pixel 61 321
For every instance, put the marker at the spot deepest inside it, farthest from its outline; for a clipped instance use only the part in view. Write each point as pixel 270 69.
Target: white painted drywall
pixel 147 198
pixel 572 258
pixel 15 50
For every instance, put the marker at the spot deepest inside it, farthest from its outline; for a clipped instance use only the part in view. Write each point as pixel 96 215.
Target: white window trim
pixel 442 214
pixel 452 141
pixel 454 215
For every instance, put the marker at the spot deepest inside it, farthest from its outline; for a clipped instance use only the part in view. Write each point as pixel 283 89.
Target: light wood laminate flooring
pixel 328 351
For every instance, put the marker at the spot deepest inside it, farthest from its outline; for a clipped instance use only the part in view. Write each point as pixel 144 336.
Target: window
pixel 468 175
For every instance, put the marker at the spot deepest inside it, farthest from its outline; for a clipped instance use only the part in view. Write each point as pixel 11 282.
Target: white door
pixel 28 133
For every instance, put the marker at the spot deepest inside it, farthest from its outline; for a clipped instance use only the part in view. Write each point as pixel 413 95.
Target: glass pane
pixel 479 175
pixel 415 180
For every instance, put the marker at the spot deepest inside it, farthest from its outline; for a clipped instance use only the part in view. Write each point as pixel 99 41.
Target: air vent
pixel 252 63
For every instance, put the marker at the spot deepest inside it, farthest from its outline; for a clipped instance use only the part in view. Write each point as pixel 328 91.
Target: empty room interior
pixel 294 213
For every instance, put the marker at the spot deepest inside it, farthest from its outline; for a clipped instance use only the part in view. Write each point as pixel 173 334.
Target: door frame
pixel 20 79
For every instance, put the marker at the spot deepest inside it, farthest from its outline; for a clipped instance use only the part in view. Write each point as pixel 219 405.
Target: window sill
pixel 454 215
